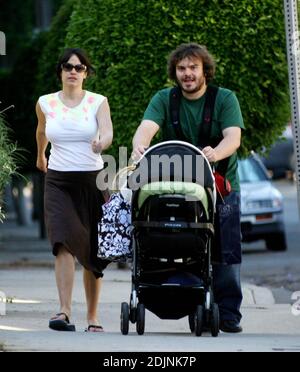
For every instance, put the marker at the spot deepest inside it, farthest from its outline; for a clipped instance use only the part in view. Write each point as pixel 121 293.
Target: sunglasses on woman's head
pixel 68 67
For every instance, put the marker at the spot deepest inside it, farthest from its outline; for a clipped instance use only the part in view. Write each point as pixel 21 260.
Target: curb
pixel 255 295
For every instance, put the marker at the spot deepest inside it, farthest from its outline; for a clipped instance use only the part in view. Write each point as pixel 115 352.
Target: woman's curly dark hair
pixel 192 50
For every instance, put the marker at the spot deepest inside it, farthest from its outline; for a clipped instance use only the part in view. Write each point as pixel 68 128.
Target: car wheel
pixel 276 242
pixel 292 162
pixel 278 173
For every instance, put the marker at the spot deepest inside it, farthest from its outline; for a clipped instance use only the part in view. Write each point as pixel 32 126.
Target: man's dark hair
pixel 83 58
pixel 192 50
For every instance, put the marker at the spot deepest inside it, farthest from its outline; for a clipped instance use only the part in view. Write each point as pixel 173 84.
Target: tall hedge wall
pixel 129 42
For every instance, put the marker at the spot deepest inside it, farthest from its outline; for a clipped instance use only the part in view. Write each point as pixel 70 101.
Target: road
pixel 277 270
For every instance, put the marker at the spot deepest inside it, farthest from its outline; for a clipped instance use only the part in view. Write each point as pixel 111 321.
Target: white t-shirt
pixel 71 132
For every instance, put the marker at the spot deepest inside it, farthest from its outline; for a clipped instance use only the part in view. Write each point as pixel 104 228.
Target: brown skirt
pixel 72 212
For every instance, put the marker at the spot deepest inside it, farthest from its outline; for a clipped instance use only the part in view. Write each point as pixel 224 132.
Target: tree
pixel 17 22
pixel 20 92
pixel 129 42
pixel 24 72
pixel 7 159
pixel 54 43
pixel 31 76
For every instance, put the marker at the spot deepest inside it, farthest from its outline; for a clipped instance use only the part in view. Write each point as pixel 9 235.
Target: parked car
pixel 261 205
pixel 281 158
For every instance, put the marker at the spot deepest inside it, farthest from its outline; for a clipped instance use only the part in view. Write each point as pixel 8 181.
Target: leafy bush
pixel 32 75
pixel 53 45
pixel 20 92
pixel 129 41
pixel 7 159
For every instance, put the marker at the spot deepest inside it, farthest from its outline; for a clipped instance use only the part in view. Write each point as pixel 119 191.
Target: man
pixel 192 67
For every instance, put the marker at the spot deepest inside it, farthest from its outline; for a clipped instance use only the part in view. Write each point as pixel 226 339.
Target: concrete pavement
pixel 27 279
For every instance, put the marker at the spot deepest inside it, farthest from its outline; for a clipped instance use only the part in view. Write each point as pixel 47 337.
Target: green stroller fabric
pixel 189 189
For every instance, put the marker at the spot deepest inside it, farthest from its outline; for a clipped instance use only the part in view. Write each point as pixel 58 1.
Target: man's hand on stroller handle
pixel 137 152
pixel 211 154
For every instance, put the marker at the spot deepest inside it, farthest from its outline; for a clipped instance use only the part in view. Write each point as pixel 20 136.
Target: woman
pixel 78 125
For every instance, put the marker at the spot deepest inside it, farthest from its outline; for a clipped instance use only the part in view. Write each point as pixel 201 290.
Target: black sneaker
pixel 230 326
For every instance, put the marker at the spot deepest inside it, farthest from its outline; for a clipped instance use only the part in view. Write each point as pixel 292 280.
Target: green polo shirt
pixel 227 113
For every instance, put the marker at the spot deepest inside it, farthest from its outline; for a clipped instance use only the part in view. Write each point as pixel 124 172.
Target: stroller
pixel 173 204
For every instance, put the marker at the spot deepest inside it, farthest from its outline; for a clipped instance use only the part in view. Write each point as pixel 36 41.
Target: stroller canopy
pixel 172 161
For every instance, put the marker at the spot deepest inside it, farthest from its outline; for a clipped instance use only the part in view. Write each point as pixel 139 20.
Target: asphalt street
pixel 279 271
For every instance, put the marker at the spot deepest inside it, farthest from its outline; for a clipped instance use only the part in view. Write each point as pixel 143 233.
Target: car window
pixel 251 171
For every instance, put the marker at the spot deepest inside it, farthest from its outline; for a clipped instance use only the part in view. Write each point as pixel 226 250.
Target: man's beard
pixel 198 87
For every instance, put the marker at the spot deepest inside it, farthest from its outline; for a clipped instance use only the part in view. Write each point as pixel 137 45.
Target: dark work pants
pixel 227 291
pixel 226 274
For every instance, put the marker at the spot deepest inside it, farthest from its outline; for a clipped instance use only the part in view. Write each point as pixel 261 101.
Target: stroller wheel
pixel 199 320
pixel 140 319
pixel 215 320
pixel 133 304
pixel 124 318
pixel 192 322
pixel 132 315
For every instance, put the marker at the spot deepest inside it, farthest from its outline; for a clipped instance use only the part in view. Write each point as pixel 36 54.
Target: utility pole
pixel 293 56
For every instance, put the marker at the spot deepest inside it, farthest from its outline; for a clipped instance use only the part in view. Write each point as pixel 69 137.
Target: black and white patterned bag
pixel 115 229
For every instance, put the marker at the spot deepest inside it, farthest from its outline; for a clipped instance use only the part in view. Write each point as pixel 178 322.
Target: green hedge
pixel 129 42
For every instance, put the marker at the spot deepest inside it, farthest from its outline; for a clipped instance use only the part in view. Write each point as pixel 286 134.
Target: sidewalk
pixel 20 247
pixel 28 281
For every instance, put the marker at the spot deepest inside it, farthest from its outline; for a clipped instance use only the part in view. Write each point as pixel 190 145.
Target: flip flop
pixel 98 328
pixel 61 325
